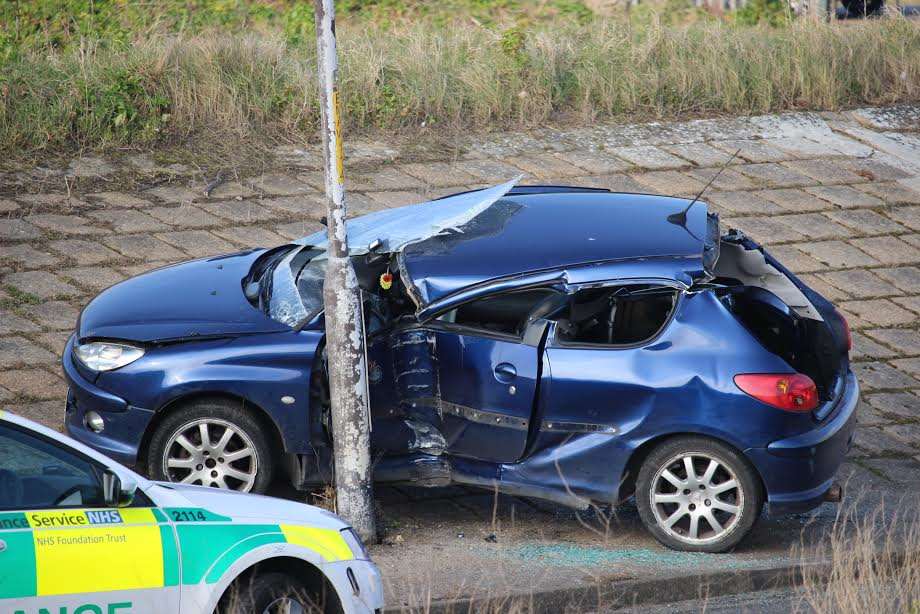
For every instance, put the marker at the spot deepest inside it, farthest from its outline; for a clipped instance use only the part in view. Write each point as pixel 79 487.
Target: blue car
pixel 569 344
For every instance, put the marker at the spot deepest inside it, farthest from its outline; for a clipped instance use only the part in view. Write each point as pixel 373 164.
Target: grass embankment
pixel 107 86
pixel 874 564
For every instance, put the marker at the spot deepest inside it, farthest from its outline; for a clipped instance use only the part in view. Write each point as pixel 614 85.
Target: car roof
pixel 540 228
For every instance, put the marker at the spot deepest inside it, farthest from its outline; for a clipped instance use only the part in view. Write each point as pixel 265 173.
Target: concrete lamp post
pixel 343 313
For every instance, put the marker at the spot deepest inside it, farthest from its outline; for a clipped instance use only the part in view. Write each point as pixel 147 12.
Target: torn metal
pixel 396 228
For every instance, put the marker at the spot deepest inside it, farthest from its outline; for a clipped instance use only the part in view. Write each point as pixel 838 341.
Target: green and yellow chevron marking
pixel 99 550
pixel 328 543
pixel 208 550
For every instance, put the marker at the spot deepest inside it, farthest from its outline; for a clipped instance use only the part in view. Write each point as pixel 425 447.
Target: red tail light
pixel 788 391
pixel 846 330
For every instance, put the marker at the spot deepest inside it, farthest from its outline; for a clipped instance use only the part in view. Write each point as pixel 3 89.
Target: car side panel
pixel 110 560
pixel 137 601
pixel 599 404
pixel 259 368
pixel 204 597
pixel 202 550
pixel 216 549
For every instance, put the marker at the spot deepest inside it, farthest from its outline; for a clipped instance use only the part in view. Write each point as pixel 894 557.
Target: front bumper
pixel 798 471
pixel 124 423
pixel 368 598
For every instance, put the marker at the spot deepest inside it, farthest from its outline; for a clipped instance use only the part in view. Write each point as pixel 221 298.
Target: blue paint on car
pixel 544 344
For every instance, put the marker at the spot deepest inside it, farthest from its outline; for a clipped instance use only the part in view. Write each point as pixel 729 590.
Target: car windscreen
pixel 295 291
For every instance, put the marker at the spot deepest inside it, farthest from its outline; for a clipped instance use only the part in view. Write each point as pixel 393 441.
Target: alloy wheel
pixel 696 498
pixel 211 452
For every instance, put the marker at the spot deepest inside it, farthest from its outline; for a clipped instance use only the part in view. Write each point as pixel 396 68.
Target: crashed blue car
pixel 563 343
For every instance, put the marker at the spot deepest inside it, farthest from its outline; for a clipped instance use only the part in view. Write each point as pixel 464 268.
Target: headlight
pixel 355 545
pixel 105 356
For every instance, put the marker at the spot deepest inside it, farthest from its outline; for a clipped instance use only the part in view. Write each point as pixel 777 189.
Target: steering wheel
pixel 67 493
pixel 11 490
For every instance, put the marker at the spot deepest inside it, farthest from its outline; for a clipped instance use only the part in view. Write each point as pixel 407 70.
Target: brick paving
pixel 836 197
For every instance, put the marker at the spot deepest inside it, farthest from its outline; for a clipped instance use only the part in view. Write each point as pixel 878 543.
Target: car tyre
pixel 275 593
pixel 238 458
pixel 709 510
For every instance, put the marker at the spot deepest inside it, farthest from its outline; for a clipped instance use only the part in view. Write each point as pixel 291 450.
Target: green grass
pixel 58 23
pixel 18 297
pixel 16 300
pixel 246 74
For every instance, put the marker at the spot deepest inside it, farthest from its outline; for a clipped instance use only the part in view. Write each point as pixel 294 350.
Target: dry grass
pixel 874 566
pixel 425 77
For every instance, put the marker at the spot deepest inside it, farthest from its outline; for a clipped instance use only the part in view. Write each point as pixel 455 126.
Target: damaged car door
pixel 465 381
pixel 604 372
pixel 488 375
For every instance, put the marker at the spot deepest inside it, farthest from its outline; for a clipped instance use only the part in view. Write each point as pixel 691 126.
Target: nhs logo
pixel 104 517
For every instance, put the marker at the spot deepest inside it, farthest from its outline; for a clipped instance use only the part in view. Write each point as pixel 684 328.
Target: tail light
pixel 846 330
pixel 787 391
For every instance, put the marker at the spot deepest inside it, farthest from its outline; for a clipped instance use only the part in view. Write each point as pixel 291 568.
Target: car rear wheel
pixel 698 495
pixel 213 443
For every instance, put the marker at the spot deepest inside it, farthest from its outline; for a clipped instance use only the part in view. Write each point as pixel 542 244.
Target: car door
pixel 487 387
pixel 63 550
pixel 487 374
pixel 604 363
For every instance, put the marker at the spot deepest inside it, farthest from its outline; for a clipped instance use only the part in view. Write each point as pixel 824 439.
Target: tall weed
pixel 261 86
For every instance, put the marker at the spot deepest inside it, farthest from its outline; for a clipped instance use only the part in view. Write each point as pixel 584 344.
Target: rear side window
pixel 502 313
pixel 622 315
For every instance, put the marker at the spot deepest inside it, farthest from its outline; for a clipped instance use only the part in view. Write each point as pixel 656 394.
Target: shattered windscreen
pixel 297 287
pixel 296 293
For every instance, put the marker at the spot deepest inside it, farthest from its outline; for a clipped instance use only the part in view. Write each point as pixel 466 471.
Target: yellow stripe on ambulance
pixel 83 551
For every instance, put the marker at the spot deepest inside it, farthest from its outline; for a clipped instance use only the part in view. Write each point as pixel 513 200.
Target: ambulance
pixel 81 534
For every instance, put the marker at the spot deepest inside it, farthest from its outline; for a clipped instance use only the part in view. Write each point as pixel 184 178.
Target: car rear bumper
pixel 797 472
pixel 124 423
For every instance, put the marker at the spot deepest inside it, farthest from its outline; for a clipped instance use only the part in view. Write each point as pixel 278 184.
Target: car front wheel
pixel 278 593
pixel 696 494
pixel 211 443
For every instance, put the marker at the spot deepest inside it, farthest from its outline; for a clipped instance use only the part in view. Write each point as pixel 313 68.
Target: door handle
pixel 505 372
pixel 2 546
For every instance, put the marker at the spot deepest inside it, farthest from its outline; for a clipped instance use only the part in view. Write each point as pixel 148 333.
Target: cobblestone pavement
pixel 836 197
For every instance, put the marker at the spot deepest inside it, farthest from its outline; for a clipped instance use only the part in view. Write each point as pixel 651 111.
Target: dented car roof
pixel 473 238
pixel 540 232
